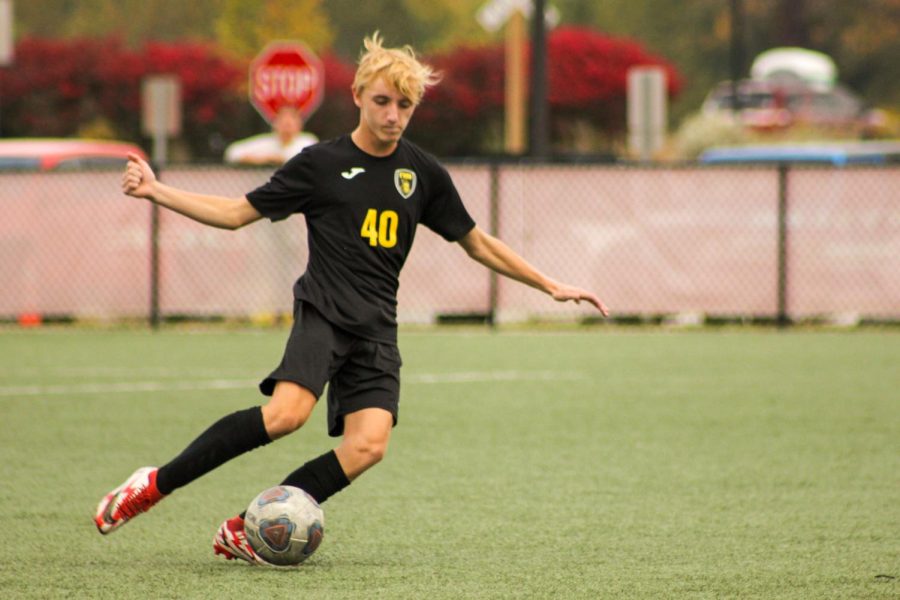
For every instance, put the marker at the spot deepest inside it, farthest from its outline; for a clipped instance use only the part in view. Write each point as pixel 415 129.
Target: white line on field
pixel 233 384
pixel 485 376
pixel 103 371
pixel 124 387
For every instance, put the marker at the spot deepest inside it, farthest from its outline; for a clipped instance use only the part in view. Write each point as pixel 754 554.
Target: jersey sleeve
pixel 445 213
pixel 288 191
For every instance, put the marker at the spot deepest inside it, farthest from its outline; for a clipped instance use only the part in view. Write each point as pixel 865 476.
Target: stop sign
pixel 286 73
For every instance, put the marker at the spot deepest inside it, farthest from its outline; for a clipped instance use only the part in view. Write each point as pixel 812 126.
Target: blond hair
pixel 399 67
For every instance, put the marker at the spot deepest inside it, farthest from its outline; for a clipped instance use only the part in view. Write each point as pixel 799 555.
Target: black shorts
pixel 360 373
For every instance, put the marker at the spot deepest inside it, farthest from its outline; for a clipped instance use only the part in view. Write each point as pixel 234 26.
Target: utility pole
pixel 539 106
pixel 737 52
pixel 514 83
pixel 511 15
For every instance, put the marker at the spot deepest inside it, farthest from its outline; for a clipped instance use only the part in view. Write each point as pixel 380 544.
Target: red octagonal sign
pixel 286 73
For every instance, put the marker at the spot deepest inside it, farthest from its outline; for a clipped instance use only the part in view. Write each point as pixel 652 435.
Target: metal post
pixel 160 118
pixel 154 265
pixel 538 107
pixel 159 159
pixel 782 316
pixel 494 226
pixel 160 156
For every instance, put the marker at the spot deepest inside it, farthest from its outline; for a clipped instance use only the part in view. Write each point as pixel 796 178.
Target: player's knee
pixel 281 420
pixel 287 422
pixel 368 451
pixel 288 409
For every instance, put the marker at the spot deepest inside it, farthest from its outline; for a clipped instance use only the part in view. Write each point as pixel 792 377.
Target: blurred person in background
pixel 363 196
pixel 286 139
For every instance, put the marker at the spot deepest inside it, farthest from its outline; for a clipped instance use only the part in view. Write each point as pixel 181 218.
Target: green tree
pixel 427 25
pixel 246 26
pixel 693 35
pixel 134 21
pixel 863 37
pixel 450 22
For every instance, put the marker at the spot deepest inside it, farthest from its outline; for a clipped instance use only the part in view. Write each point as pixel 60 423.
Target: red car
pixel 50 154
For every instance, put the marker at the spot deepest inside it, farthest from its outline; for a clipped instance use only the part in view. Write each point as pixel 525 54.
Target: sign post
pixel 161 112
pixel 160 119
pixel 286 74
pixel 646 111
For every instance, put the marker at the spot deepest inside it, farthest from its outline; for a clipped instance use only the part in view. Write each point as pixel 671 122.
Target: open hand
pixel 564 293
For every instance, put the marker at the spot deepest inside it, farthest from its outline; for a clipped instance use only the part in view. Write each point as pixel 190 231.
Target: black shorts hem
pixel 267 385
pixel 336 420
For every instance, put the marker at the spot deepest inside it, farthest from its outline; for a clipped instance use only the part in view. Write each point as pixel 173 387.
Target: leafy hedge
pixel 74 87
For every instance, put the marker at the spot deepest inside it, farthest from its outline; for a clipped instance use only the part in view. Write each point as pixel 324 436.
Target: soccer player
pixel 362 195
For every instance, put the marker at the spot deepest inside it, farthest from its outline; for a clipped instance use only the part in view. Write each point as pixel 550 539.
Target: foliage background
pixel 691 39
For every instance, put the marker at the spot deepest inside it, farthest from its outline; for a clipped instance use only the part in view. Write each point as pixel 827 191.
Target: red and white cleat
pixel 137 495
pixel 231 542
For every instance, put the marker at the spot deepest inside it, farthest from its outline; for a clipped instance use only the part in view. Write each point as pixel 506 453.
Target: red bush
pixel 587 73
pixel 55 87
pixel 588 76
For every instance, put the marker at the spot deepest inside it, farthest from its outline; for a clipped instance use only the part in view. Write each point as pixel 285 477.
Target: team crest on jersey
pixel 405 182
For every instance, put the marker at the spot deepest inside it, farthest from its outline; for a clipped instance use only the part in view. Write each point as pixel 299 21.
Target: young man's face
pixel 384 112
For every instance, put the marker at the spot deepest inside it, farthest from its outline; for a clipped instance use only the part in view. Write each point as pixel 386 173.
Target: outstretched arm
pixel 496 255
pixel 218 211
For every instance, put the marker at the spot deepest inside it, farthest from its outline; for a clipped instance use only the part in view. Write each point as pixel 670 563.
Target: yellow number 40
pixel 380 230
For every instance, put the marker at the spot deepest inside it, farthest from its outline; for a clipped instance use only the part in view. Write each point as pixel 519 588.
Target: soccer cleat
pixel 138 494
pixel 231 542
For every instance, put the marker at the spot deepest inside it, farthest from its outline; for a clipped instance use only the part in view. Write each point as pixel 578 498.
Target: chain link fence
pixel 692 242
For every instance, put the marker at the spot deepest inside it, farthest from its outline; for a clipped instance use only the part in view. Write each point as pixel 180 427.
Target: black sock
pixel 321 477
pixel 227 438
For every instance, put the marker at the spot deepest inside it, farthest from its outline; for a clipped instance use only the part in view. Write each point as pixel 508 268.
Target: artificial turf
pixel 602 463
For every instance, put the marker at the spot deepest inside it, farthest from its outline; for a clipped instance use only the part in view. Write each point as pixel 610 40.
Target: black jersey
pixel 361 213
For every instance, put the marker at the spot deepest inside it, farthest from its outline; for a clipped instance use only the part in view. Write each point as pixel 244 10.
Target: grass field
pixel 587 464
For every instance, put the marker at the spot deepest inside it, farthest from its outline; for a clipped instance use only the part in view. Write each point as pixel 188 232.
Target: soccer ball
pixel 284 525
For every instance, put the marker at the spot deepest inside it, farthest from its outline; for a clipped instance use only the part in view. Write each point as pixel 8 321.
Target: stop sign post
pixel 286 74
